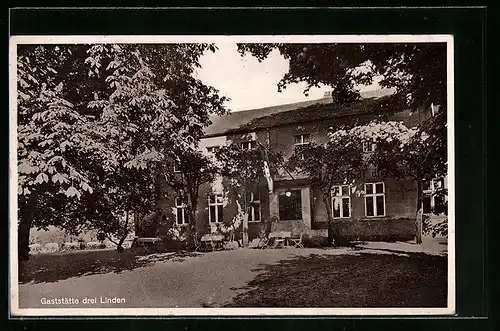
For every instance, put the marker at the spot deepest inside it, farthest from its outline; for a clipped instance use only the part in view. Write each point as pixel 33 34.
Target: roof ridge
pixel 238 119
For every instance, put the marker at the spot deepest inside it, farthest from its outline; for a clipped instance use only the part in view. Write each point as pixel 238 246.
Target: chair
pixel 197 243
pixel 279 242
pixel 209 243
pixel 265 242
pixel 228 244
pixel 297 241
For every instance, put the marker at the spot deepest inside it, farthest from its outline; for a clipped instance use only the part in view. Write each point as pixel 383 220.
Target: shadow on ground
pixel 54 267
pixel 360 280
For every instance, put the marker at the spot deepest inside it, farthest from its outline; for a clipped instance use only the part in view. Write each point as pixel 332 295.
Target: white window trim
pixel 176 170
pixel 434 109
pixel 216 203
pixel 210 152
pixel 247 145
pixel 252 209
pixel 341 197
pixel 301 202
pixel 374 196
pixel 211 149
pixel 181 206
pixel 301 143
pixel 373 145
pixel 432 192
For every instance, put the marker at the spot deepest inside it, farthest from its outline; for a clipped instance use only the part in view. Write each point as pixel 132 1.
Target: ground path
pixel 215 279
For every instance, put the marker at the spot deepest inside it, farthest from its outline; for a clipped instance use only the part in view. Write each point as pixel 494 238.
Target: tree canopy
pixel 417 71
pixel 243 172
pixel 93 118
pixel 333 163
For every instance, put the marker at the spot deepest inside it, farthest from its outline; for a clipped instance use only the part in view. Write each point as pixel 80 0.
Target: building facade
pixel 372 207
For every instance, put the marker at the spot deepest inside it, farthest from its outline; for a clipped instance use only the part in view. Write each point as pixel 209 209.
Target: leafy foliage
pixel 416 71
pixel 243 169
pixel 193 170
pixel 98 123
pixel 333 163
pixel 404 152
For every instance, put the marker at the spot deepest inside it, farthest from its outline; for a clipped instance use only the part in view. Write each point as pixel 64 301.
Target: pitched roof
pixel 320 109
pixel 234 120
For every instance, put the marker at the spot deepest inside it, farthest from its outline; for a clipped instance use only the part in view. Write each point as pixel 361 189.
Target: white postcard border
pixel 15 311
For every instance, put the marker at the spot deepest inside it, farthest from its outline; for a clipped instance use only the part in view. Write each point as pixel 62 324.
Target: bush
pixel 314 241
pixel 435 227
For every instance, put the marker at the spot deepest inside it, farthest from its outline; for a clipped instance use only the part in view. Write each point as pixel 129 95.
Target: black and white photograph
pixel 231 175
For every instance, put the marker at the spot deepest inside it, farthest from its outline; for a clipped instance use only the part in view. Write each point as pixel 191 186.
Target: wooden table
pixel 280 238
pixel 145 242
pixel 215 241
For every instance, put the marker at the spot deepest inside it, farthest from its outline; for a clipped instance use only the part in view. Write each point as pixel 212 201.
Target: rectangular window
pixel 215 208
pixel 290 205
pixel 176 168
pixel 301 140
pixel 426 185
pixel 427 205
pixel 248 144
pixel 375 199
pixel 368 147
pixel 212 149
pixel 180 207
pixel 434 199
pixel 254 215
pixel 341 201
pixel 210 152
pixel 439 204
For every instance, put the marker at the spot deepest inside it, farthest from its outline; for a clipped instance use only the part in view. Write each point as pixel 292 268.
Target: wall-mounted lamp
pixel 288 193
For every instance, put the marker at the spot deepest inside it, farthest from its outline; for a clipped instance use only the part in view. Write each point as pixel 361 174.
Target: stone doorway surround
pixel 291 225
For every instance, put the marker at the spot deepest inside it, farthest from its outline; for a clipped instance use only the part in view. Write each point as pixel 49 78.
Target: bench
pixel 146 243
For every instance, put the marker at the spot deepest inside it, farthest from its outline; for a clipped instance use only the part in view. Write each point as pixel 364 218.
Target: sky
pixel 250 84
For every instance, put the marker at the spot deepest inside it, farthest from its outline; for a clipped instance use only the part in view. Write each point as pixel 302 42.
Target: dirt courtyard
pixel 343 277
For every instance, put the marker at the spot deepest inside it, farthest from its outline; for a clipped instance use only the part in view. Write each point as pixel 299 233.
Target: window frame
pixel 301 143
pixel 341 197
pixel 365 144
pixel 181 206
pixel 176 169
pixel 299 197
pixel 216 204
pixel 248 145
pixel 431 193
pixel 374 196
pixel 210 152
pixel 211 149
pixel 253 204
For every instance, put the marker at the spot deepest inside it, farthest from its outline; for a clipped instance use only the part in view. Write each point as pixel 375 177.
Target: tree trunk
pixel 137 223
pixel 244 221
pixel 418 218
pixel 191 214
pixel 234 232
pixel 331 225
pixel 23 239
pixel 24 227
pixel 124 235
pixel 191 231
pixel 244 225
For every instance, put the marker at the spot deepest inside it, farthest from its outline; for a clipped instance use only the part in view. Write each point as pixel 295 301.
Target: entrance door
pixel 290 205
